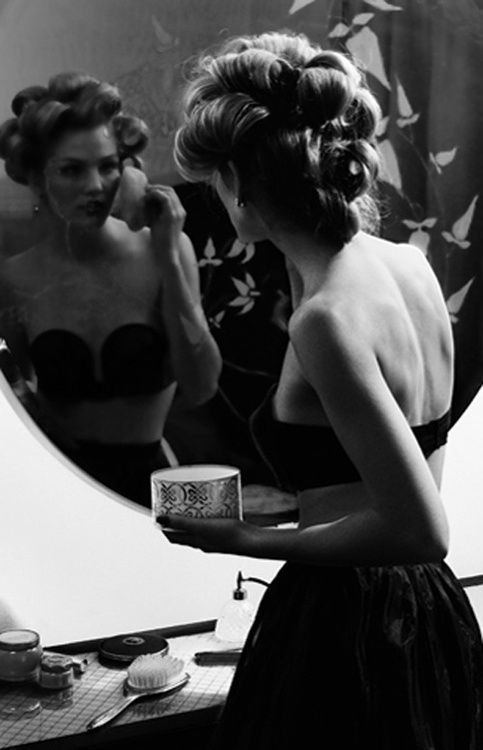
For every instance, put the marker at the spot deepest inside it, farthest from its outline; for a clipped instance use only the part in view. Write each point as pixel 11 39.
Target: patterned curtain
pixel 423 60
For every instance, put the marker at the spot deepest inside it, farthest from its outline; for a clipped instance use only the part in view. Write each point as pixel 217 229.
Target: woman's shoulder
pixel 398 251
pixel 328 317
pixel 124 238
pixel 369 288
pixel 128 249
pixel 21 270
pixel 386 264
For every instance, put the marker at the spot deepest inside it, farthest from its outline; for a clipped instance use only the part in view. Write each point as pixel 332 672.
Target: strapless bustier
pixel 133 362
pixel 303 456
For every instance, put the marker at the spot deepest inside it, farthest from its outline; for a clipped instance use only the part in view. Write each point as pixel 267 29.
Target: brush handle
pixel 110 714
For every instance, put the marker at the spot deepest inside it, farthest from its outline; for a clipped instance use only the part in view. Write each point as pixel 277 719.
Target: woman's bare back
pixel 389 297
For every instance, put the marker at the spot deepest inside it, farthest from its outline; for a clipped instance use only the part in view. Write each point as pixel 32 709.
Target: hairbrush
pixel 148 675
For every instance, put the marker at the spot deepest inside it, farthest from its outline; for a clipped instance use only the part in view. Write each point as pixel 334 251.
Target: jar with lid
pixel 20 655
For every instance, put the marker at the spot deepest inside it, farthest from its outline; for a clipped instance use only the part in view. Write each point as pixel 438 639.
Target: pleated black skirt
pixel 366 658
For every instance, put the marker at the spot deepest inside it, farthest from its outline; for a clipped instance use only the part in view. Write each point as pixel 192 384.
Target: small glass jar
pixel 20 655
pixel 56 672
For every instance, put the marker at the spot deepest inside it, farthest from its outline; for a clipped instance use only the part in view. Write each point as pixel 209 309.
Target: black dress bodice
pixel 303 456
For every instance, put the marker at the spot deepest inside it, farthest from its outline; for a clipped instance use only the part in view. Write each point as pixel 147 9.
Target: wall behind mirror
pixel 423 60
pixel 80 562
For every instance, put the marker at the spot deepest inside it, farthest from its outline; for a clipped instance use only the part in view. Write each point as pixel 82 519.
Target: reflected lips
pixel 93 208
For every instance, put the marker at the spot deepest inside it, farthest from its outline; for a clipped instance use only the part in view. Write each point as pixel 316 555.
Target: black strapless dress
pixel 354 658
pixel 134 363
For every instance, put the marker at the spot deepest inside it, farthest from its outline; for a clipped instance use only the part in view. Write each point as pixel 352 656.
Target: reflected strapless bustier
pixel 305 456
pixel 133 362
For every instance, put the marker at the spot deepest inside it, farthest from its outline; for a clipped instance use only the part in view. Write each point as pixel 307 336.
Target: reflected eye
pixel 70 170
pixel 109 167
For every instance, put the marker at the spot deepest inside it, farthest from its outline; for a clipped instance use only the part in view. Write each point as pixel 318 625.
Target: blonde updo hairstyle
pixel 294 118
pixel 70 101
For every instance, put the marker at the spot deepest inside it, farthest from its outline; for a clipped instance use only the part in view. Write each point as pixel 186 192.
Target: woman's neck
pixel 78 243
pixel 308 261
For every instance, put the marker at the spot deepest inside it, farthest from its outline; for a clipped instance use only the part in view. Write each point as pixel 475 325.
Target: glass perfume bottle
pixel 236 616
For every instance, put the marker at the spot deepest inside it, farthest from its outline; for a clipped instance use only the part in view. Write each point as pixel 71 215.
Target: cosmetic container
pixel 236 616
pixel 56 672
pixel 20 655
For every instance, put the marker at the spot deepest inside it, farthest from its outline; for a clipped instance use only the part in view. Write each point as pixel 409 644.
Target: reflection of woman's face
pixel 81 176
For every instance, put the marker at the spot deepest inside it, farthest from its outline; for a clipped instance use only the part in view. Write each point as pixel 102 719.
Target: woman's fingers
pixel 179 523
pixel 180 537
pixel 165 196
pixel 162 202
pixel 207 534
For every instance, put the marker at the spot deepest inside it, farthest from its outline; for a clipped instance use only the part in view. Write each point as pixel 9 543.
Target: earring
pixel 35 210
pixel 240 203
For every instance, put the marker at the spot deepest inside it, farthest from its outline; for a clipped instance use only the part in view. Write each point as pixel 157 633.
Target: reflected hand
pixel 129 201
pixel 226 535
pixel 165 216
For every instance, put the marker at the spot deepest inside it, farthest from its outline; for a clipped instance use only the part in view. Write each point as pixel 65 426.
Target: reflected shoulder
pixel 21 269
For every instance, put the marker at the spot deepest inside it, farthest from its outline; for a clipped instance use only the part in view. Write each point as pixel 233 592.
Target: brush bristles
pixel 151 671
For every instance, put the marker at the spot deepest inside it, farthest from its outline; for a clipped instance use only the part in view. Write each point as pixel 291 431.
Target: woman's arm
pixel 361 538
pixel 195 357
pixel 404 512
pixel 401 518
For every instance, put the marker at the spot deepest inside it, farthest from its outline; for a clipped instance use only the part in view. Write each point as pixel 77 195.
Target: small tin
pixel 56 672
pixel 20 655
pixel 125 648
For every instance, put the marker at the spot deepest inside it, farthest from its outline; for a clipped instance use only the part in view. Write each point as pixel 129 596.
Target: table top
pixel 31 714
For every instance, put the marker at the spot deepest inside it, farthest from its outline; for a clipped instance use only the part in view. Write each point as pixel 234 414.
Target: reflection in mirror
pixel 102 315
pixel 429 189
pixel 248 324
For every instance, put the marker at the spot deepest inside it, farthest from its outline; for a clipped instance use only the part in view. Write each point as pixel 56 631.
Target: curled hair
pixel 298 119
pixel 70 101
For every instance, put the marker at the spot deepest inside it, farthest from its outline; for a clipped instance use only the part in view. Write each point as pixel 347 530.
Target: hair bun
pixel 327 86
pixel 132 134
pixel 334 60
pixel 26 97
pixel 272 81
pixel 281 98
pixel 12 150
pixel 349 167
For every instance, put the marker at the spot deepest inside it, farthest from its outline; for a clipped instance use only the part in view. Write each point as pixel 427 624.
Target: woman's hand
pixel 224 535
pixel 140 204
pixel 165 215
pixel 129 201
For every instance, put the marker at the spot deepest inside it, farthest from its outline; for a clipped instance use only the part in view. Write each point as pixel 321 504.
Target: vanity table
pixel 56 720
pixel 83 565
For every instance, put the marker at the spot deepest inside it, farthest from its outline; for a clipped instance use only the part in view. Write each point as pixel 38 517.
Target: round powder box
pixel 125 648
pixel 56 672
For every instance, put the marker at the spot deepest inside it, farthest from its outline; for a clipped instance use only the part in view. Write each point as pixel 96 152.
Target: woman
pixel 365 639
pixel 105 321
